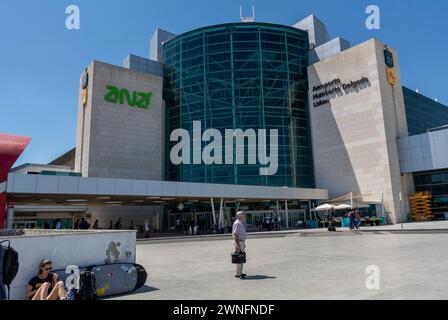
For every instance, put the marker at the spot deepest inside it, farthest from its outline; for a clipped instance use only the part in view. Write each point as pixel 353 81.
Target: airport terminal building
pixel 347 131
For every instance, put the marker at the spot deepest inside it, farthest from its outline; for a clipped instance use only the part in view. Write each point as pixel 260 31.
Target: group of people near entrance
pixel 190 227
pixel 354 218
pixel 268 223
pixel 82 224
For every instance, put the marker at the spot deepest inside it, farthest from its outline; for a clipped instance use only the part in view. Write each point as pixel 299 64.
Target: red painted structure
pixel 11 147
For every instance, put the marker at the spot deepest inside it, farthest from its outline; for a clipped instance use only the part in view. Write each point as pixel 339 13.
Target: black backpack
pixel 10 265
pixel 87 286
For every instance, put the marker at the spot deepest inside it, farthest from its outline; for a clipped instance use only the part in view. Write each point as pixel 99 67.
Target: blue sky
pixel 40 60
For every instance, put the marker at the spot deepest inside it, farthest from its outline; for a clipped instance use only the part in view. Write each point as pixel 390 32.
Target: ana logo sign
pixel 134 99
pixel 388 58
pixel 390 71
pixel 84 87
pixel 391 78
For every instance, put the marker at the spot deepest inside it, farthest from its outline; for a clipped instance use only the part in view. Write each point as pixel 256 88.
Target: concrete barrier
pixel 68 247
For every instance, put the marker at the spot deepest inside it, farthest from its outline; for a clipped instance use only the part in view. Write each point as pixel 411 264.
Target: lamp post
pixel 286 211
pixel 401 209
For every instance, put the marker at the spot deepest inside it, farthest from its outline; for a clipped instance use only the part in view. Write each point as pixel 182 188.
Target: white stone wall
pixel 355 135
pixel 116 140
pixel 83 126
pixel 127 214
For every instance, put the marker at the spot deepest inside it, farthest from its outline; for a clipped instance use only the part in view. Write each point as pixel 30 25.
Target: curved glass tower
pixel 241 76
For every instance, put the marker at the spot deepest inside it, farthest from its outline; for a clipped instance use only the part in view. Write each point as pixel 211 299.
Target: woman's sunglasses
pixel 48 269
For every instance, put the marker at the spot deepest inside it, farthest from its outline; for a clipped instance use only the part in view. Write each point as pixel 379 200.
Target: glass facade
pixel 423 113
pixel 435 182
pixel 241 76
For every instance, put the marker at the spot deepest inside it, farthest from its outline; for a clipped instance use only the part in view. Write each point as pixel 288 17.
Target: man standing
pixel 357 219
pixel 76 225
pixel 58 224
pixel 192 225
pixel 146 228
pixel 83 225
pixel 351 216
pixel 118 224
pixel 239 236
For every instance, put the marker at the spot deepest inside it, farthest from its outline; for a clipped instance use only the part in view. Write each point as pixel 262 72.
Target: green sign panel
pixel 134 99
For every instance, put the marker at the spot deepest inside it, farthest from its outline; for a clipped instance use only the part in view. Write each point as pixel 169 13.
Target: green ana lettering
pixel 138 99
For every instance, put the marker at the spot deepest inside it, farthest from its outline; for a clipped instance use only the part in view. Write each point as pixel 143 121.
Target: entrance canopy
pixel 11 147
pixel 324 207
pixel 66 190
pixel 343 206
pixel 356 200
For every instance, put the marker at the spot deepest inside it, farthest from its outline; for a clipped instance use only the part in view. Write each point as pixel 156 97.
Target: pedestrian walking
pixel 117 225
pixel 357 219
pixel 331 222
pixel 351 216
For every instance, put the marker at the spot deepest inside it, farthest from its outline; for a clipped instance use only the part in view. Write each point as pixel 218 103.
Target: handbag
pixel 238 257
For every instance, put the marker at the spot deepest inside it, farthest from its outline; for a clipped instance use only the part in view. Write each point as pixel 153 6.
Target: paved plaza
pixel 301 265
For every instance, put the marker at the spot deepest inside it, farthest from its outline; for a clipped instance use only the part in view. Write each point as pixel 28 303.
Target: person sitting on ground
pixel 45 286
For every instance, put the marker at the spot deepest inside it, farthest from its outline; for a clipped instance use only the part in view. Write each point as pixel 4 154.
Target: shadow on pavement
pixel 145 289
pixel 259 277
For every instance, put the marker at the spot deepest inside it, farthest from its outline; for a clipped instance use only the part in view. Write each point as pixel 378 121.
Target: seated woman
pixel 45 286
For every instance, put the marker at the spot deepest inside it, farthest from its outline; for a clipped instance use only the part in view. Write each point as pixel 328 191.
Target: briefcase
pixel 238 257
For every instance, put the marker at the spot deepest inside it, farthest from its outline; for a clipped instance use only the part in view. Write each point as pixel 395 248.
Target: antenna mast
pixel 247 19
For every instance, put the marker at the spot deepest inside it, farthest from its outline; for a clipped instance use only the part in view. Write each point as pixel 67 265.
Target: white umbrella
pixel 343 206
pixel 361 205
pixel 324 207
